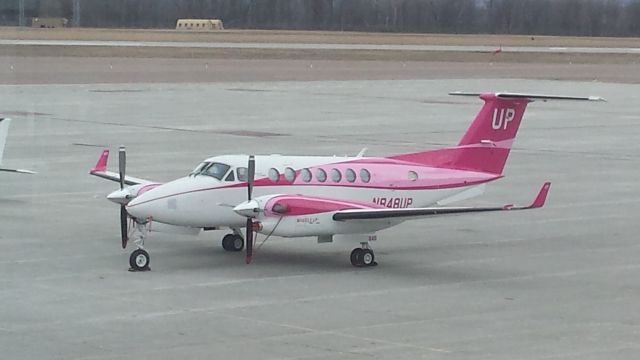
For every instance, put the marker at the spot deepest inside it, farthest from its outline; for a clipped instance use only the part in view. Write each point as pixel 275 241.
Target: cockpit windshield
pixel 198 168
pixel 213 169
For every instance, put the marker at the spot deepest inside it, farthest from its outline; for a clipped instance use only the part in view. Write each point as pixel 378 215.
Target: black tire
pixel 227 242
pixel 356 256
pixel 367 258
pixel 237 244
pixel 139 260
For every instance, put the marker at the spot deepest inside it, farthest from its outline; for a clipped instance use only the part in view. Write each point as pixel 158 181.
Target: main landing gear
pixel 233 242
pixel 363 256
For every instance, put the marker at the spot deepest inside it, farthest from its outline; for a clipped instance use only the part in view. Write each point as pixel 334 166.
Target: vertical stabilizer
pixel 4 130
pixel 497 123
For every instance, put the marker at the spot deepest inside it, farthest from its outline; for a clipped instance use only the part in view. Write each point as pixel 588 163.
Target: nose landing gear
pixel 140 259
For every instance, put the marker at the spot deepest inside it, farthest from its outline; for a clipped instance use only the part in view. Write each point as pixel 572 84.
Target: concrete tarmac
pixel 556 283
pixel 90 70
pixel 319 46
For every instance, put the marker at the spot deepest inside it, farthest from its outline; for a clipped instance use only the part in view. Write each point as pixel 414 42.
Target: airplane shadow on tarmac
pixel 8 202
pixel 427 268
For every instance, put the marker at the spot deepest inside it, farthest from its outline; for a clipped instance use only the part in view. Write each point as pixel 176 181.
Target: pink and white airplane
pixel 4 131
pixel 328 197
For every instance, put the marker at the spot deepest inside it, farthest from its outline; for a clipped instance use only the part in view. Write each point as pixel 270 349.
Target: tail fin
pixel 487 143
pixel 4 130
pixel 497 123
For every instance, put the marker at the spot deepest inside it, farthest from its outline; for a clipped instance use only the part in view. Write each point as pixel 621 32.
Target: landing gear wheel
pixel 238 243
pixel 362 257
pixel 227 241
pixel 139 260
pixel 232 242
pixel 367 258
pixel 355 255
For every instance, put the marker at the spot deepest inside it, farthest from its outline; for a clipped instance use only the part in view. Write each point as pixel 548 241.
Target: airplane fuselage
pixel 206 199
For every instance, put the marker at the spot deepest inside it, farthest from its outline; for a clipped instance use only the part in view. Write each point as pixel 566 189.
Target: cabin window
pixel 321 175
pixel 350 175
pixel 365 176
pixel 289 174
pixel 413 176
pixel 306 175
pixel 230 176
pixel 243 173
pixel 336 176
pixel 274 175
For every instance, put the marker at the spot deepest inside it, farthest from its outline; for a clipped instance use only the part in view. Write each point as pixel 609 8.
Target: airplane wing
pixel 340 211
pixel 100 170
pixel 408 213
pixel 21 171
pixel 4 131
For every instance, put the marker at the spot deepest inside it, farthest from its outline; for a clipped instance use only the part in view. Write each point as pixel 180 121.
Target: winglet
pixel 101 165
pixel 542 196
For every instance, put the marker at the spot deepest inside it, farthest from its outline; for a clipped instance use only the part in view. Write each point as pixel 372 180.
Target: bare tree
pixel 558 17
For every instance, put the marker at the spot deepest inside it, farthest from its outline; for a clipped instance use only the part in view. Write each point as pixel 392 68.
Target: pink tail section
pixel 498 121
pixel 101 165
pixel 486 145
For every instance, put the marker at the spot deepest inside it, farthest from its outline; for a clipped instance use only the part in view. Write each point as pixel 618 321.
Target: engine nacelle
pixel 301 216
pixel 321 224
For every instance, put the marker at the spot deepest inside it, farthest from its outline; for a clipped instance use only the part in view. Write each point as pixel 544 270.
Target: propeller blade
pixel 249 232
pixel 122 164
pixel 123 226
pixel 249 240
pixel 251 176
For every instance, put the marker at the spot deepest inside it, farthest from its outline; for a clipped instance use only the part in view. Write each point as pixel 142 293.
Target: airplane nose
pixel 140 207
pixel 158 202
pixel 172 203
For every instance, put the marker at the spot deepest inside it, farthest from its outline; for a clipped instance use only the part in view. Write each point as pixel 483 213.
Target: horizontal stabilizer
pixel 532 97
